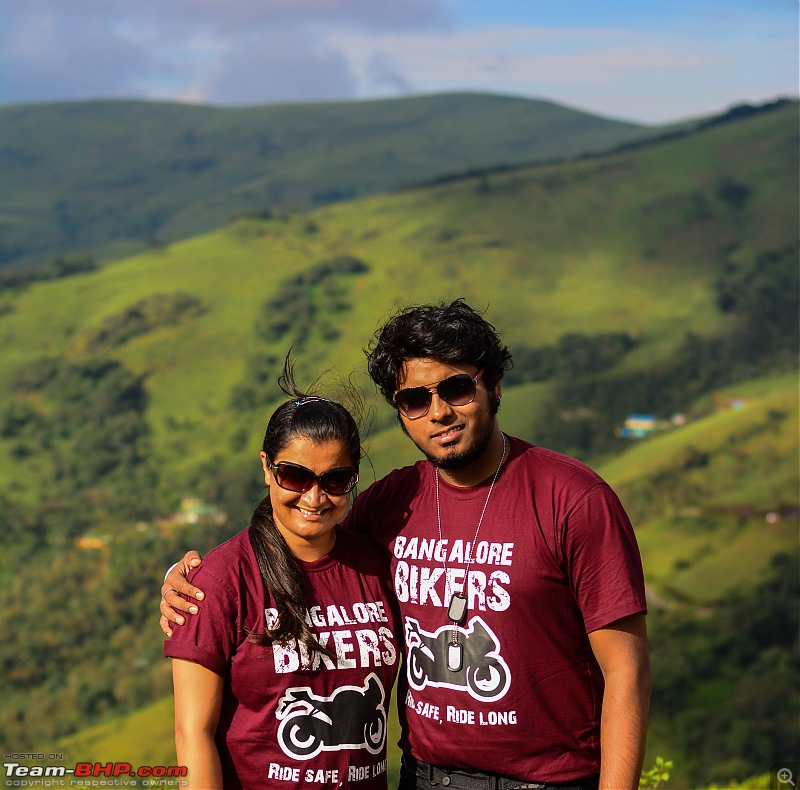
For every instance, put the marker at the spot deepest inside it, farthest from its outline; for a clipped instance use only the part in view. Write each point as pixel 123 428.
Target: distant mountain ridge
pixel 113 177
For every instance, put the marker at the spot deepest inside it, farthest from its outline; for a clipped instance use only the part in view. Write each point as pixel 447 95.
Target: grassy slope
pixel 699 496
pixel 549 250
pixel 110 176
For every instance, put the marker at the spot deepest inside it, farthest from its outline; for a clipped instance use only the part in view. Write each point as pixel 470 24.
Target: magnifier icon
pixel 785 777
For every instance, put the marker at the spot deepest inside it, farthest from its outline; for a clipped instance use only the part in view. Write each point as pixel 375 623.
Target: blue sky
pixel 651 62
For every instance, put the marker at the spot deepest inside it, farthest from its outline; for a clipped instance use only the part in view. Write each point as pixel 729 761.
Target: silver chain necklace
pixel 457 602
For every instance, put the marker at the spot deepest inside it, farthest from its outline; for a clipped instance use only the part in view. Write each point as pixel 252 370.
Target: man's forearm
pixel 621 651
pixel 623 729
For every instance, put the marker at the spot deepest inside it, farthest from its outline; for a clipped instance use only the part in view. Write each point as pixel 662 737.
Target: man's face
pixel 451 437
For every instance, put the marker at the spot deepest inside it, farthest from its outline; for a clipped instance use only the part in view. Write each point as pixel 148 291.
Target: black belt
pixel 456 779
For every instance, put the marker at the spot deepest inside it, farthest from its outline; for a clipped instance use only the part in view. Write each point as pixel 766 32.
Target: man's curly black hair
pixel 453 333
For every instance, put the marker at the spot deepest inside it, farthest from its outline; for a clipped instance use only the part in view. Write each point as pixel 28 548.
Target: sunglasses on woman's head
pixel 299 479
pixel 459 390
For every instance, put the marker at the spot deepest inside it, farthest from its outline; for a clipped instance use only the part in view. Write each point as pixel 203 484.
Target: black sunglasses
pixel 414 402
pixel 299 479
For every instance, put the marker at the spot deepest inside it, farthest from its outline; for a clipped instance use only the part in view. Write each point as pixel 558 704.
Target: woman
pixel 285 677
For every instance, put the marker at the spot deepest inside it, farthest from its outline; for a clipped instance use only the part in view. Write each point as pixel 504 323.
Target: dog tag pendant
pixel 457 611
pixel 455 655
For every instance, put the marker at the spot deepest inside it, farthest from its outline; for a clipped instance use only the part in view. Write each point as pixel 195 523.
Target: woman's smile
pixel 307 519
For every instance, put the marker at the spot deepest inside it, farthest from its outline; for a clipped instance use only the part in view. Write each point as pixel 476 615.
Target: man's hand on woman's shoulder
pixel 172 604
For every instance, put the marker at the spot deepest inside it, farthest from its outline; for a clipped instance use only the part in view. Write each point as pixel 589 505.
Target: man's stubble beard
pixel 465 457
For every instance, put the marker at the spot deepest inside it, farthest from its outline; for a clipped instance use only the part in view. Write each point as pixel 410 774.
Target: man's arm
pixel 198 700
pixel 621 651
pixel 171 603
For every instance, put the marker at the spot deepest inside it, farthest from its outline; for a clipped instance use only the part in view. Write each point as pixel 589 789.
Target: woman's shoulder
pixel 227 561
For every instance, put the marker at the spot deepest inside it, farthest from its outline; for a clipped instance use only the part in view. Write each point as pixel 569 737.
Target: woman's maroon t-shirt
pixel 287 719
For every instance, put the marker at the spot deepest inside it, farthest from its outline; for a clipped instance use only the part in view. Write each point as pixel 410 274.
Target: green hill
pixel 646 244
pixel 646 280
pixel 715 504
pixel 110 177
pixel 706 542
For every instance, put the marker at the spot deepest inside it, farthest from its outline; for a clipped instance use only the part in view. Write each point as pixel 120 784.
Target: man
pixel 517 575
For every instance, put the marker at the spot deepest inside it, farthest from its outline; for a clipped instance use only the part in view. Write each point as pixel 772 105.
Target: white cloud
pixel 253 51
pixel 42 48
pixel 655 76
pixel 231 51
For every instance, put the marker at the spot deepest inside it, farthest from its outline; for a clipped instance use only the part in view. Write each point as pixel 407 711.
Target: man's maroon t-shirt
pixel 555 559
pixel 287 719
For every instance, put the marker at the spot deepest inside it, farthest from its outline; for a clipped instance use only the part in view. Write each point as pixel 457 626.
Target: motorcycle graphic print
pixel 353 717
pixel 483 674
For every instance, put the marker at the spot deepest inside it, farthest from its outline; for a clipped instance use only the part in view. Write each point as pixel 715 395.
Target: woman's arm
pixel 198 698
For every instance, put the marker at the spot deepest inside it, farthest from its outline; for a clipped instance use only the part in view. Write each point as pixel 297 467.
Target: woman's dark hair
pixel 319 420
pixel 451 332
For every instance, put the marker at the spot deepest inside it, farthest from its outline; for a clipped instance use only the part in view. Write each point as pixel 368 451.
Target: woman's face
pixel 306 520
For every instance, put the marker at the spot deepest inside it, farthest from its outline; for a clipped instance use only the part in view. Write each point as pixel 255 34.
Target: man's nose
pixel 440 408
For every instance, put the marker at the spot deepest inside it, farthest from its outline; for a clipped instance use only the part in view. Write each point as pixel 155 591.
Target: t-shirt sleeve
pixel 381 510
pixel 208 638
pixel 602 559
pixel 374 513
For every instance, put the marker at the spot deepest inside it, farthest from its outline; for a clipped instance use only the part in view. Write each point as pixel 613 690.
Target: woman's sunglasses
pixel 298 479
pixel 414 402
